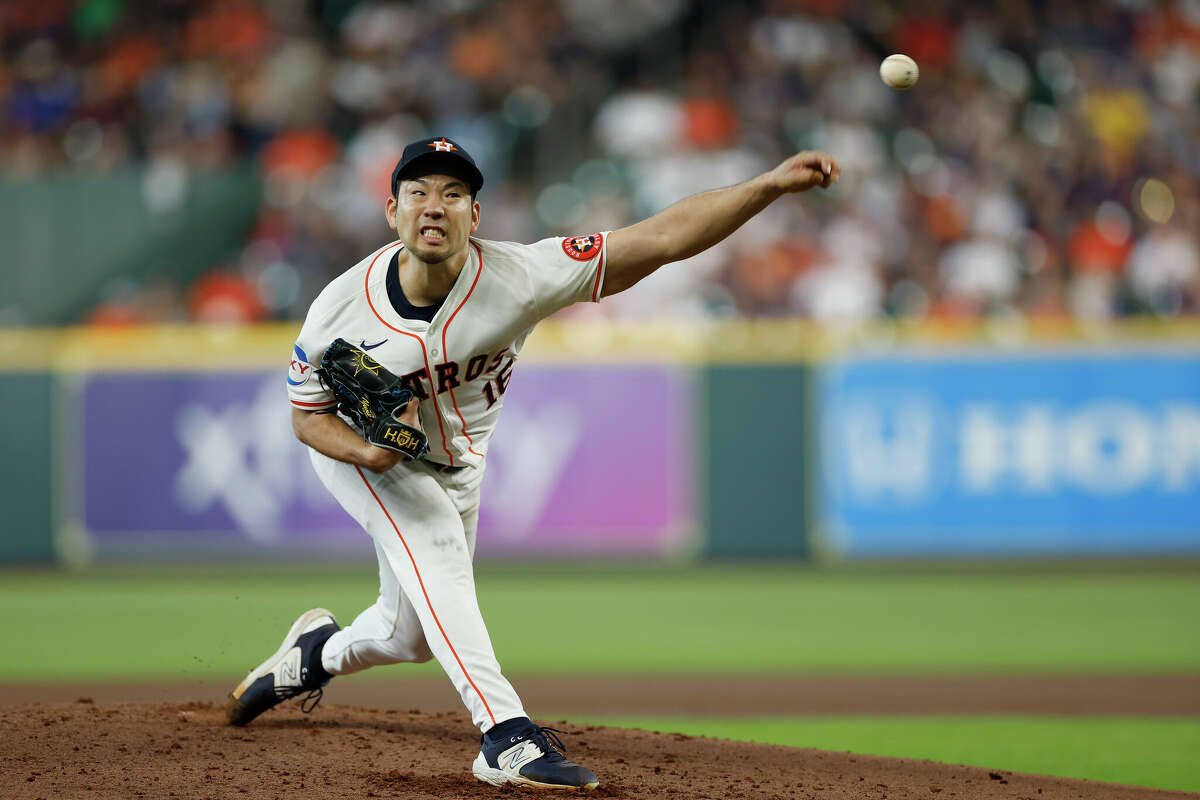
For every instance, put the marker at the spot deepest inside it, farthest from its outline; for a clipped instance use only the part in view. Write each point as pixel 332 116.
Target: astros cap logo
pixel 582 248
pixel 443 146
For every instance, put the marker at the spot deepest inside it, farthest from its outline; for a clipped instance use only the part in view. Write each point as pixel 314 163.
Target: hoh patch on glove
pixel 372 397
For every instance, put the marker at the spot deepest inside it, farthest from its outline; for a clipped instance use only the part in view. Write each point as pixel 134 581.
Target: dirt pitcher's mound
pixel 84 750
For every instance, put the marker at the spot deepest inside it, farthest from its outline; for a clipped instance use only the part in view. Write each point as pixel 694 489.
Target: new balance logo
pixel 289 674
pixel 512 759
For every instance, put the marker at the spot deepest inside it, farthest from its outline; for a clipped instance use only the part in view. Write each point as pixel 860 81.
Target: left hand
pixel 806 169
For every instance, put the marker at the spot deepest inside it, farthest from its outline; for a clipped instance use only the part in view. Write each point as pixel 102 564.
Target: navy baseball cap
pixel 437 156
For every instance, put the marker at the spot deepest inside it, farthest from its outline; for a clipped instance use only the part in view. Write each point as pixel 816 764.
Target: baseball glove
pixel 372 397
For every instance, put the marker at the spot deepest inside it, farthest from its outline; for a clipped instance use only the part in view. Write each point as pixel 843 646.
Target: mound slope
pixel 89 750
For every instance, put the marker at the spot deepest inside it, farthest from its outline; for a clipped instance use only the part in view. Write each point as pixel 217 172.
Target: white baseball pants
pixel 424 524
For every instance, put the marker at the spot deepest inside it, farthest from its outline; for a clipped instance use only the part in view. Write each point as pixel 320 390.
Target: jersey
pixel 459 364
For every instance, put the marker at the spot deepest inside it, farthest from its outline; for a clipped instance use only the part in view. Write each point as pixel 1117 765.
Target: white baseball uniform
pixel 423 515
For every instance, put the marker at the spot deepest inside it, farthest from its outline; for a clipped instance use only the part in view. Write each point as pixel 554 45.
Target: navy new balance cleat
pixel 530 756
pixel 295 668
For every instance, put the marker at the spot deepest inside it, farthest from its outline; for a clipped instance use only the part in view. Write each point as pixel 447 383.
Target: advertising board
pixel 585 460
pixel 1024 454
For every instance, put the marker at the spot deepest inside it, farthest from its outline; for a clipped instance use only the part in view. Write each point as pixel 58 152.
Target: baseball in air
pixel 899 71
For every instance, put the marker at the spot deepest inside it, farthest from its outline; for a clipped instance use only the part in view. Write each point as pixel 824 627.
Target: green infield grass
pixel 1144 751
pixel 171 623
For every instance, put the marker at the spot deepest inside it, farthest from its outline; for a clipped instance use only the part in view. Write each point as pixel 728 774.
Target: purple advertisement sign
pixel 585 460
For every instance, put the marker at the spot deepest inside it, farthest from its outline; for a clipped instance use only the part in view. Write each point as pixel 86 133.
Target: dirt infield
pixel 96 746
pixel 653 695
pixel 87 750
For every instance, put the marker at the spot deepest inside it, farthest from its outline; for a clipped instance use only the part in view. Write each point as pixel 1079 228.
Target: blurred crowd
pixel 1046 164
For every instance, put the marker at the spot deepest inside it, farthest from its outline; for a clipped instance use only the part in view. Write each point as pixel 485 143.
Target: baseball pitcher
pixel 396 382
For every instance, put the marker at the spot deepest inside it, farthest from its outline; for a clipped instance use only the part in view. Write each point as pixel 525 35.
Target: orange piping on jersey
pixel 446 353
pixel 428 371
pixel 413 561
pixel 599 275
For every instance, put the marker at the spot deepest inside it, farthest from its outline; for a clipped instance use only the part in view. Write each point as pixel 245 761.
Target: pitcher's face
pixel 434 216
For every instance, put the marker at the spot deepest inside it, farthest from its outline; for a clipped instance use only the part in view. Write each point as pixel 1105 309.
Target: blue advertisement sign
pixel 966 455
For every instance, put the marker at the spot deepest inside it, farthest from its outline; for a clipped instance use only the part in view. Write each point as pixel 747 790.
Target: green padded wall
pixel 26 528
pixel 757 429
pixel 66 238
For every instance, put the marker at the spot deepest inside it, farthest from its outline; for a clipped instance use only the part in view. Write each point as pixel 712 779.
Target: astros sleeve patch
pixel 562 271
pixel 583 248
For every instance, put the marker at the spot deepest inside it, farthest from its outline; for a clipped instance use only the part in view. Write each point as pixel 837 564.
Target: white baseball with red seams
pixel 422 518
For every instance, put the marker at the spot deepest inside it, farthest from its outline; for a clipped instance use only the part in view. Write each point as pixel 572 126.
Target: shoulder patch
pixel 299 371
pixel 583 248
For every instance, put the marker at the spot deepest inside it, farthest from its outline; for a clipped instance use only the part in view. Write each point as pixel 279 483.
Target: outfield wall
pixel 26 477
pixel 646 442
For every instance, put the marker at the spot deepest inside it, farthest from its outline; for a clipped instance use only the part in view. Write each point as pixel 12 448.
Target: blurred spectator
pixel 220 296
pixel 1164 269
pixel 1045 164
pixel 128 303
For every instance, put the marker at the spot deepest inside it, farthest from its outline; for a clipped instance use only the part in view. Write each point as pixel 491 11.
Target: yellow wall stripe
pixel 211 347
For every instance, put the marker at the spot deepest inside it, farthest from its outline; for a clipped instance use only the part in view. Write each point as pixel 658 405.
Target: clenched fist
pixel 806 169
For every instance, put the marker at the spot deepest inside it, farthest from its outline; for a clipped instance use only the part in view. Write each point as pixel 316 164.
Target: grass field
pixel 734 620
pixel 173 623
pixel 1135 750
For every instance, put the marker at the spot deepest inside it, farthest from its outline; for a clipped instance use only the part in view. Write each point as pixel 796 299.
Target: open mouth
pixel 432 234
